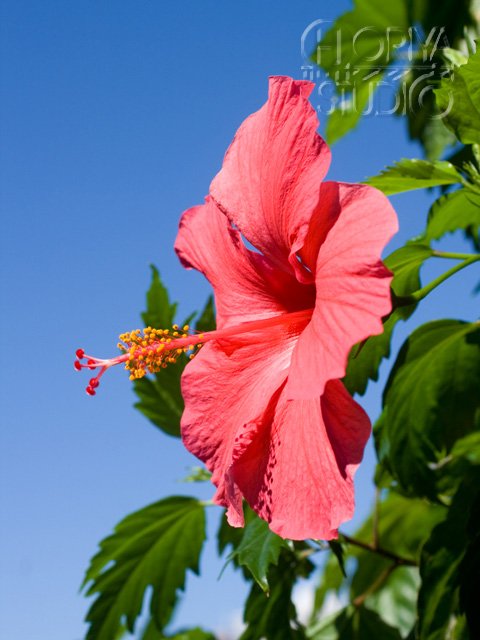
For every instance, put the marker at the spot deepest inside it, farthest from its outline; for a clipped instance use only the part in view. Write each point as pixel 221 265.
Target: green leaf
pixel 407 174
pixel 457 210
pixel 459 98
pixel 464 456
pixel 353 623
pixel 367 54
pixel 160 312
pixel 364 360
pixel 151 633
pixel 337 550
pixel 153 547
pixel 258 549
pixel 192 634
pixel 274 617
pixel 345 117
pixel 160 397
pixel 405 264
pixel 395 601
pixel 429 402
pixel 403 526
pixel 449 566
pixel 198 474
pixel 206 321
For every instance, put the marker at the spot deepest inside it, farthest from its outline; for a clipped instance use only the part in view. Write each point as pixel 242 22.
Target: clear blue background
pixel 115 117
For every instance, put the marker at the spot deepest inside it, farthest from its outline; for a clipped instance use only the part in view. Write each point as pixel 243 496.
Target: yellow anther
pixel 186 327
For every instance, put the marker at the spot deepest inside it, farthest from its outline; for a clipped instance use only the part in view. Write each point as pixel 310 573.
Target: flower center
pixel 150 350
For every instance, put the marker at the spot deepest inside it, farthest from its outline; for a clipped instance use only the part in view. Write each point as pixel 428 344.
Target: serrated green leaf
pixel 459 98
pixel 353 623
pixel 258 549
pixel 430 401
pixel 153 547
pixel 160 312
pixel 274 617
pixel 453 211
pixel 409 174
pixel 364 360
pixel 160 397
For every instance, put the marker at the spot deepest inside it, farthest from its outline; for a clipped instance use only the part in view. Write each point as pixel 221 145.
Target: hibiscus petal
pixel 296 470
pixel 225 388
pixel 352 288
pixel 246 285
pixel 269 184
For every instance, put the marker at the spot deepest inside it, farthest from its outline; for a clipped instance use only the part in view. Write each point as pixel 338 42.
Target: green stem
pixel 454 256
pixel 416 296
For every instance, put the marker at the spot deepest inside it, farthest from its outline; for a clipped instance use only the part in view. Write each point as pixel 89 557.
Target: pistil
pixel 151 350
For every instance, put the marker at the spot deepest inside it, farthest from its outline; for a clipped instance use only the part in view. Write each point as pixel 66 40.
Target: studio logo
pixel 373 71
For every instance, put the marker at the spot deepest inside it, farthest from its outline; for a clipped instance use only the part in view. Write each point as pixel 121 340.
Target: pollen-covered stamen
pixel 150 350
pixel 143 352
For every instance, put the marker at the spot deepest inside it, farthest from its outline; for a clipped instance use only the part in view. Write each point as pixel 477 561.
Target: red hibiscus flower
pixel 264 405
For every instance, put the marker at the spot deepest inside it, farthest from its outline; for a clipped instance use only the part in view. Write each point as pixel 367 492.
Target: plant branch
pixel 376 514
pixel 450 255
pixel 383 577
pixel 416 296
pixel 398 560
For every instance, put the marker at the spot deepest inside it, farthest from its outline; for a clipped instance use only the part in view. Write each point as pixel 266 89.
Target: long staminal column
pixel 150 350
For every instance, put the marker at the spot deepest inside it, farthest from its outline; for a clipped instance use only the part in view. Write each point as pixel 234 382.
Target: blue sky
pixel 115 117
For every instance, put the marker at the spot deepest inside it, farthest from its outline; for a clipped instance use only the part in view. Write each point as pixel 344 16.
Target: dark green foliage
pixel 152 547
pixel 379 16
pixel 364 63
pixel 354 623
pixel 398 527
pixel 274 617
pixel 430 401
pixel 449 566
